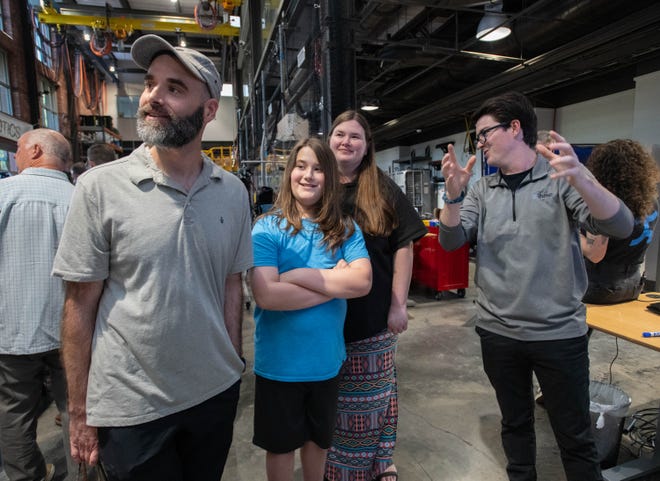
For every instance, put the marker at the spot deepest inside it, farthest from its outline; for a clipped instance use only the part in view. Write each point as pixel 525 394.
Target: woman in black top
pixel 615 266
pixel 364 439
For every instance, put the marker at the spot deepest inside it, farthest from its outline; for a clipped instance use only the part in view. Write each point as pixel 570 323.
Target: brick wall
pixel 12 41
pixel 18 42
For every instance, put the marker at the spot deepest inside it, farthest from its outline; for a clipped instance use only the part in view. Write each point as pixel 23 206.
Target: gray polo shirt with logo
pixel 160 344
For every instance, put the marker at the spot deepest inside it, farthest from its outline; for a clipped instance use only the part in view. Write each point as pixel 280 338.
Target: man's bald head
pixel 43 148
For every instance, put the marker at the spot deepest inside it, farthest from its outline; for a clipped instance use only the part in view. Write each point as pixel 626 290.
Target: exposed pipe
pixel 262 147
pixel 281 45
pixel 223 66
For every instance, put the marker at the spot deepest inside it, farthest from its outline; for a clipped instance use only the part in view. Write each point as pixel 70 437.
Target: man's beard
pixel 178 132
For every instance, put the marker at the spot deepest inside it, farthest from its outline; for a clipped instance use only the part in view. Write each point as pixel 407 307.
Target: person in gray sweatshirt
pixel 530 276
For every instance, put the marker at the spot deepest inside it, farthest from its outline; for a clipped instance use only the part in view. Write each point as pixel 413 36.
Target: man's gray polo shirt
pixel 160 344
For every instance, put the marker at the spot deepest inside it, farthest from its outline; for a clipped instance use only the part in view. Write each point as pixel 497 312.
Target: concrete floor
pixel 449 419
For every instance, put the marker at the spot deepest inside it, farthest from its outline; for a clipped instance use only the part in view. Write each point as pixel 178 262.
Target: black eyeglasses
pixel 482 136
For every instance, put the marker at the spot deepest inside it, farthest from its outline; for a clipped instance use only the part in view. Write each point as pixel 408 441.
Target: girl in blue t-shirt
pixel 308 259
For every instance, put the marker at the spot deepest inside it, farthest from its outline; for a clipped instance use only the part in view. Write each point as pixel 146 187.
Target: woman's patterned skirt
pixel 367 411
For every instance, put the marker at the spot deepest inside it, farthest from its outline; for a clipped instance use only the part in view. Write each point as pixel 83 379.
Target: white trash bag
pixel 609 406
pixel 607 399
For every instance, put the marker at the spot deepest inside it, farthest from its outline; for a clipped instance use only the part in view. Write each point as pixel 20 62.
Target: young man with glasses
pixel 530 276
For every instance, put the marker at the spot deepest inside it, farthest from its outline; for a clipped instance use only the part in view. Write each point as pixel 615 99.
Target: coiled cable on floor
pixel 641 430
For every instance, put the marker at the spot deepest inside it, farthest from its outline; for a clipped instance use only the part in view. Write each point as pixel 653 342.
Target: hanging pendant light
pixel 490 27
pixel 369 105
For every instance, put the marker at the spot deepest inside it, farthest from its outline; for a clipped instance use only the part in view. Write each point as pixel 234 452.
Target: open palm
pixel 456 177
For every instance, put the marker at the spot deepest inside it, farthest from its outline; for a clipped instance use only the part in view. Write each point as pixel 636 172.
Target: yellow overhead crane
pixel 125 25
pixel 224 157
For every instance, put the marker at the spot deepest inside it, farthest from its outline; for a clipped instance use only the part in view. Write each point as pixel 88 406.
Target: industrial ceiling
pixel 421 61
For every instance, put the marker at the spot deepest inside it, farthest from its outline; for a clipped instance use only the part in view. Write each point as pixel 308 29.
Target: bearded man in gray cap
pixel 152 254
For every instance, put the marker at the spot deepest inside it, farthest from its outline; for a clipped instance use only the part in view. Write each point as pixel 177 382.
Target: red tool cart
pixel 438 269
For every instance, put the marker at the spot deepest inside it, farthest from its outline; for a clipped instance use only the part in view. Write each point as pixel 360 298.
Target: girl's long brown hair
pixel 335 226
pixel 627 170
pixel 374 212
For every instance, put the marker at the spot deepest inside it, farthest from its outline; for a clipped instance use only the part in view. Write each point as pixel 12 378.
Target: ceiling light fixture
pixel 491 26
pixel 370 105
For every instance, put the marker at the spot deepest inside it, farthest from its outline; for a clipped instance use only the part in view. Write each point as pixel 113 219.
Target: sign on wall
pixel 11 128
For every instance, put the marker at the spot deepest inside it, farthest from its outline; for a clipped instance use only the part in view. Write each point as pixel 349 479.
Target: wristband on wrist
pixel 453 201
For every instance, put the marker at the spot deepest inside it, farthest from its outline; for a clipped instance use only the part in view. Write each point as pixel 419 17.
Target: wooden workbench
pixel 627 321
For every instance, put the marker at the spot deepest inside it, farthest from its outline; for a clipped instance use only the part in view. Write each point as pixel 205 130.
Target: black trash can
pixel 608 408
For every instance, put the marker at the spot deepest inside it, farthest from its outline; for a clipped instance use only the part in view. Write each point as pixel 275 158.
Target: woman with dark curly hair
pixel 615 266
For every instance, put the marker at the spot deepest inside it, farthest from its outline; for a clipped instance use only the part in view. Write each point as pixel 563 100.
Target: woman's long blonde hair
pixel 374 212
pixel 335 226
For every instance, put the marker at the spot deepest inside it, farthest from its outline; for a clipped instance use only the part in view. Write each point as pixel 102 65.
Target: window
pixel 5 87
pixel 4 161
pixel 127 106
pixel 48 103
pixel 42 42
pixel 2 19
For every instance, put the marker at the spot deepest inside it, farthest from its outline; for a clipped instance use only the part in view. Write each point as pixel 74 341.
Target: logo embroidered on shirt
pixel 543 195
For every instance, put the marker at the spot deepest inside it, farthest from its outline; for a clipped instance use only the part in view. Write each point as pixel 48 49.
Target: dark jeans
pixel 191 445
pixel 562 369
pixel 21 393
pixel 621 290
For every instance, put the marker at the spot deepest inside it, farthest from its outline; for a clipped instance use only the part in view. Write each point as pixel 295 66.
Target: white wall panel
pixel 598 120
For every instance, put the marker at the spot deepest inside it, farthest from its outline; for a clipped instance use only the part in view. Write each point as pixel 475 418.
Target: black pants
pixel 21 391
pixel 191 445
pixel 614 291
pixel 562 369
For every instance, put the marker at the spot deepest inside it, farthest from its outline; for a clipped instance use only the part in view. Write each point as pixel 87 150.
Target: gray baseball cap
pixel 145 48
